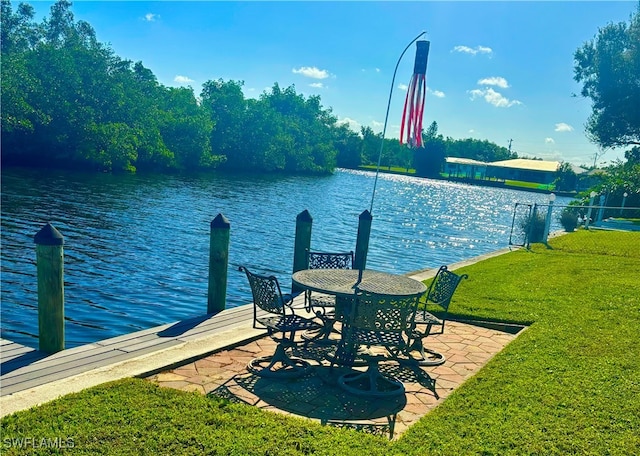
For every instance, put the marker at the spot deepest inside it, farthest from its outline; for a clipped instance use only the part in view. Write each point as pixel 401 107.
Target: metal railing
pixel 536 223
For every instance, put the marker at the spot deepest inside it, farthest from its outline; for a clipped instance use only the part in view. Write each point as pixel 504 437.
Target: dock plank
pixel 123 344
pixel 35 360
pixel 14 350
pixel 49 367
pixel 141 345
pixel 49 375
pixel 23 368
pixel 125 337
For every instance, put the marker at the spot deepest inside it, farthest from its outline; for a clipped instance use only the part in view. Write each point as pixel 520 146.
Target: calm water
pixel 136 247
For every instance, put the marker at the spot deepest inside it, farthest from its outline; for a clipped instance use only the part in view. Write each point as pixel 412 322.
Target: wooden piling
pixel 50 267
pixel 302 243
pixel 218 264
pixel 362 241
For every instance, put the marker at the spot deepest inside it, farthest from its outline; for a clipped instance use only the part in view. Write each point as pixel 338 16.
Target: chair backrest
pixel 375 319
pixel 384 317
pixel 266 292
pixel 328 260
pixel 443 286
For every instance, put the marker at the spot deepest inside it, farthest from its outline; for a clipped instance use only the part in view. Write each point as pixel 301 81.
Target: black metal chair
pixel 272 310
pixel 324 305
pixel 439 294
pixel 375 320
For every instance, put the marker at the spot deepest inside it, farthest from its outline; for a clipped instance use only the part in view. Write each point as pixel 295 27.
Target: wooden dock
pixel 29 377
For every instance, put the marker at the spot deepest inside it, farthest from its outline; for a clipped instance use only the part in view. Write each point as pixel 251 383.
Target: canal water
pixel 136 247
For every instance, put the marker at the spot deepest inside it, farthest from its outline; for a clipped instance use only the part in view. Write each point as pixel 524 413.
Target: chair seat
pixel 286 323
pixel 380 338
pixel 322 300
pixel 426 318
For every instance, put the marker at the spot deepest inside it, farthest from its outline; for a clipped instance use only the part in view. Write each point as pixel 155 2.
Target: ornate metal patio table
pixel 343 282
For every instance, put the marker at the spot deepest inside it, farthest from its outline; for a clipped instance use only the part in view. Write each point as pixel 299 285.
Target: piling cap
pixel 48 235
pixel 220 221
pixel 366 215
pixel 304 216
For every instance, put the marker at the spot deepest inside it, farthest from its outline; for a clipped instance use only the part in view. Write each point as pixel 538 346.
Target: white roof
pixel 464 161
pixel 578 169
pixel 524 163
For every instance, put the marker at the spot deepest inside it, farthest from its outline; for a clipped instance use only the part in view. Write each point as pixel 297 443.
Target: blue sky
pixel 497 70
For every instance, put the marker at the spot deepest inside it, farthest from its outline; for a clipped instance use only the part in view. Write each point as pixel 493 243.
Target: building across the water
pixel 465 168
pixel 522 169
pixel 519 169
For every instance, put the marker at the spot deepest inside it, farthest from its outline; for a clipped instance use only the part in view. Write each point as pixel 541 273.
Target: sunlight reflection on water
pixel 136 247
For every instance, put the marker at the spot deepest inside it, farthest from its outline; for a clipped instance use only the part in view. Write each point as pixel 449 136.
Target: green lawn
pixel 524 184
pixel 569 384
pixel 385 169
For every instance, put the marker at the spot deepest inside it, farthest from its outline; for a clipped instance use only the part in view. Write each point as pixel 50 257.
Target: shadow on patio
pixel 317 396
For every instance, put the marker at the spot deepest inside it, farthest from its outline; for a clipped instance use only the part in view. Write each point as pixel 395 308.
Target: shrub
pixel 569 219
pixel 533 227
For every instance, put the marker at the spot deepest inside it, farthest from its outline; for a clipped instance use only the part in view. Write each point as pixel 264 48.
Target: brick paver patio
pixel 317 396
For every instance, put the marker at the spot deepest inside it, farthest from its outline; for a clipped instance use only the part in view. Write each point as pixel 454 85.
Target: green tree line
pixel 69 101
pixel 608 68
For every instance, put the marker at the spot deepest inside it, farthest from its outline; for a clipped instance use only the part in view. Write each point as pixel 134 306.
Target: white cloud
pixel 473 51
pixel 403 87
pixel 472 131
pixel 317 85
pixel 464 49
pixel 494 98
pixel 377 70
pixel 182 79
pixel 353 124
pixel 377 124
pixel 312 72
pixel 250 92
pixel 437 93
pixel 549 141
pixel 494 81
pixel 563 127
pixel 151 17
